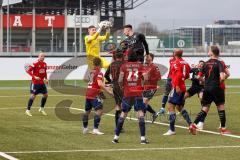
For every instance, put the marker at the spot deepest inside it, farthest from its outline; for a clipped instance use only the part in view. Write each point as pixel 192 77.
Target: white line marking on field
pixel 166 124
pixel 4 155
pixel 53 95
pixel 135 119
pixel 123 149
pixel 67 95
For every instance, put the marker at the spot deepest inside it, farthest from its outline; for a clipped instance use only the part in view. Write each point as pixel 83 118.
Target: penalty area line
pixel 123 149
pixel 6 156
pixel 166 124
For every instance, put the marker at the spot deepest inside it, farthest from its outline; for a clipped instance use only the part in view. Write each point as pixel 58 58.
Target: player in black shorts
pixel 114 71
pixel 214 73
pixel 136 42
pixel 197 87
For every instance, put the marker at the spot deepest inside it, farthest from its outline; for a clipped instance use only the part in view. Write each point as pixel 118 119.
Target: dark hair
pixel 151 55
pixel 92 26
pixel 215 50
pixel 201 61
pixel 118 54
pixel 97 62
pixel 128 26
pixel 132 56
pixel 178 53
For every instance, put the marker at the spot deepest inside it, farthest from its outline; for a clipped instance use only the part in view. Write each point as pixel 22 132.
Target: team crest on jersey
pixel 42 71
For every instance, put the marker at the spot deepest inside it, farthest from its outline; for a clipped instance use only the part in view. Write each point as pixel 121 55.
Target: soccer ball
pixel 105 24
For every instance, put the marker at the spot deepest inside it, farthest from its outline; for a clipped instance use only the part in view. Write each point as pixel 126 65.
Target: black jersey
pixel 114 71
pixel 211 71
pixel 194 79
pixel 137 43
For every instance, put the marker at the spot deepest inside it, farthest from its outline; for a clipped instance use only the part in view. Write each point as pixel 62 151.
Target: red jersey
pixel 93 88
pixel 170 66
pixel 154 76
pixel 131 76
pixel 180 72
pixel 37 69
pixel 125 55
pixel 222 84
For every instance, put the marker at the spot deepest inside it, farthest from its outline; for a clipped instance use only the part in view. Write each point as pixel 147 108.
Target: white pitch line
pixel 67 95
pixel 123 149
pixel 166 124
pixel 135 119
pixel 57 95
pixel 4 155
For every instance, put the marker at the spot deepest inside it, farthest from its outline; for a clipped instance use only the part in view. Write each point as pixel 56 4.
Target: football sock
pixel 172 118
pixel 97 120
pixel 43 101
pixel 186 116
pixel 202 119
pixel 117 115
pixel 142 126
pixel 164 101
pixel 30 102
pixel 85 121
pixel 222 117
pixel 150 109
pixel 200 116
pixel 119 126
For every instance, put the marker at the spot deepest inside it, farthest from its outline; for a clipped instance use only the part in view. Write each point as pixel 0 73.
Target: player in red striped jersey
pixel 38 72
pixel 131 78
pixel 93 100
pixel 153 75
pixel 168 86
pixel 180 72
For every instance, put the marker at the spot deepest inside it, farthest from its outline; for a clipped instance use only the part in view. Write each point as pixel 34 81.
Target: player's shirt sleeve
pixel 144 42
pixel 178 72
pixel 156 73
pixel 202 70
pixel 187 71
pixel 121 75
pixel 105 37
pixel 221 67
pixel 46 71
pixel 30 70
pixel 100 76
pixel 89 38
pixel 107 74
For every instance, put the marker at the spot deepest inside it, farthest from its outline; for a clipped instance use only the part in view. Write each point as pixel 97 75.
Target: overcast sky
pixel 166 14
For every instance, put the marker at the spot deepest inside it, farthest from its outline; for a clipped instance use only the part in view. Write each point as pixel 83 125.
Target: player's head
pixel 92 30
pixel 214 51
pixel 149 58
pixel 127 30
pixel 132 57
pixel 119 55
pixel 201 64
pixel 124 45
pixel 41 56
pixel 97 62
pixel 178 53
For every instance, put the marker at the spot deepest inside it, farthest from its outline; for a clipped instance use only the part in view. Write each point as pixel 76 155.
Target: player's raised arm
pixel 106 36
pixel 95 34
pixel 107 75
pixel 144 42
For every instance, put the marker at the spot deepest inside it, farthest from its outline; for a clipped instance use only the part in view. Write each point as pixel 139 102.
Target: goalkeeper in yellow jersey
pixel 93 43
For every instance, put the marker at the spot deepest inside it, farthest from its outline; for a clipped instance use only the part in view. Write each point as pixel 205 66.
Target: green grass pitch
pixel 26 137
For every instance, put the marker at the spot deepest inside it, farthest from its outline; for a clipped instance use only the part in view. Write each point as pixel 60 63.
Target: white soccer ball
pixel 106 24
